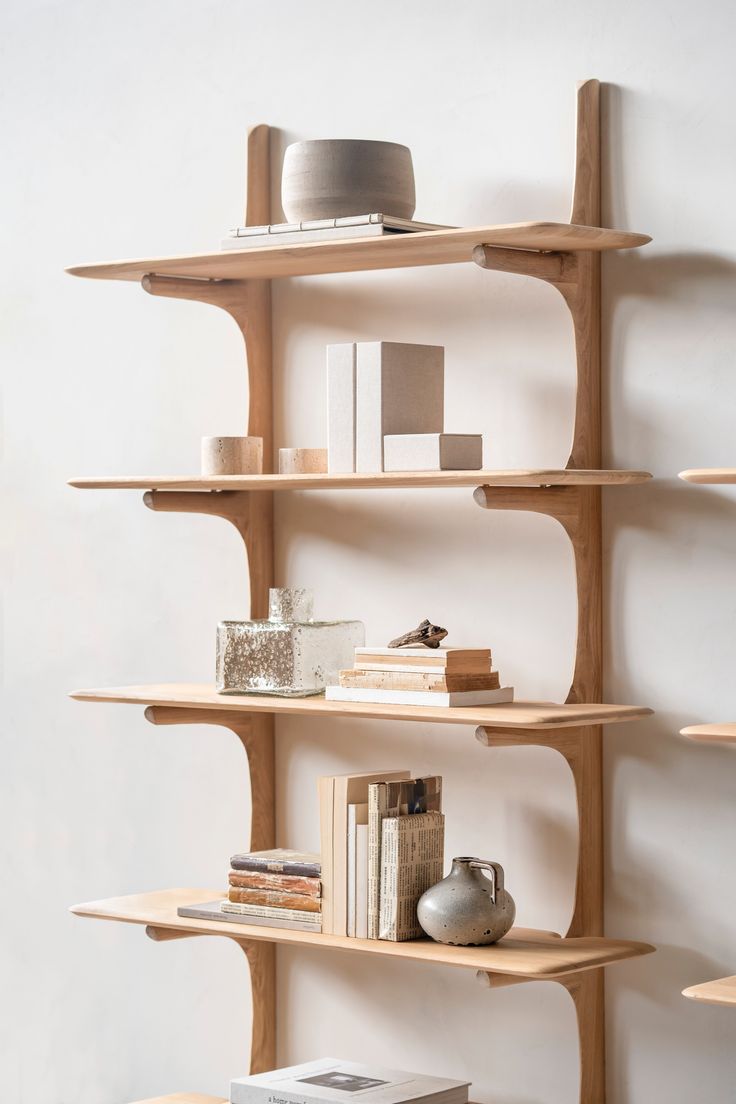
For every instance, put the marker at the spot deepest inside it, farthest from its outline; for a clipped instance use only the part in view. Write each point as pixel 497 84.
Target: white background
pixel 123 135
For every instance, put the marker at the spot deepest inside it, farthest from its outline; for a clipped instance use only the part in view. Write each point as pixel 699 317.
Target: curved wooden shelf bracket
pixel 581 749
pixel 248 302
pixel 251 512
pixel 578 510
pixel 586 991
pixel 256 734
pixel 577 276
pixel 262 962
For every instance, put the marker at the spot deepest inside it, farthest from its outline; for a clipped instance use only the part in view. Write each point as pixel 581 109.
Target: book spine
pixel 376 811
pixel 271 866
pixel 326 834
pixel 274 898
pixel 267 1094
pixel 412 860
pixel 352 840
pixel 411 680
pixel 341 407
pixel 267 912
pixel 369 407
pixel 469 698
pixel 361 881
pixel 290 883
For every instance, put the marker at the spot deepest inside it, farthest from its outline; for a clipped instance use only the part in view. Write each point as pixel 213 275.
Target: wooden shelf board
pixel 724 733
pixel 533 477
pixel 709 475
pixel 526 715
pixel 523 953
pixel 722 991
pixel 363 254
pixel 183 1098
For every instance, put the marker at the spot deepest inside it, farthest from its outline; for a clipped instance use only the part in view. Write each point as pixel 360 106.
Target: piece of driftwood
pixel 425 633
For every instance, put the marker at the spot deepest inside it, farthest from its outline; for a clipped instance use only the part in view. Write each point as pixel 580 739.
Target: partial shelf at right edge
pixel 709 475
pixel 722 991
pixel 724 733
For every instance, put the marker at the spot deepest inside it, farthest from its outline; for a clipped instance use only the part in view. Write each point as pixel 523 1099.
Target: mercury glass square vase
pixel 289 654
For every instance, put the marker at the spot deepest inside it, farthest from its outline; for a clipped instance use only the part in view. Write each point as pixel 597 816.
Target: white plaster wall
pixel 123 134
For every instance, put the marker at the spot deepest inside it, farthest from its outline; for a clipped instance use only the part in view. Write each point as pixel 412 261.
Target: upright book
pixel 332 1081
pixel 336 793
pixel 412 861
pixel 393 799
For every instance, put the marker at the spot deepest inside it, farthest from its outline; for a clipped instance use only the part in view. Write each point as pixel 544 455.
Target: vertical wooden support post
pixel 578 510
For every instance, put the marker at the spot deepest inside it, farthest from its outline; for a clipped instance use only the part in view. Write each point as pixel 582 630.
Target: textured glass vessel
pixel 289 654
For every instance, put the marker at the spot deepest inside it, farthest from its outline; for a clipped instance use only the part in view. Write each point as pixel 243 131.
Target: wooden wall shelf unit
pixel 722 991
pixel 566 255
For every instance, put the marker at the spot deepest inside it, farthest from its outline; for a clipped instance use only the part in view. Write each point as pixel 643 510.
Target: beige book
pixel 483 668
pixel 326 789
pixel 410 680
pixel 336 794
pixel 449 658
pixel 412 860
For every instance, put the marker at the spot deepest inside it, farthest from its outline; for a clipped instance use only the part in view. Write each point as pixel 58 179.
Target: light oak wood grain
pixel 520 714
pixel 722 991
pixel 709 475
pixel 723 733
pixel 366 254
pixel 529 477
pixel 519 953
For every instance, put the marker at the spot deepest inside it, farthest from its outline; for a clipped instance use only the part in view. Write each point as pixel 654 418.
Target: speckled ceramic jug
pixel 469 907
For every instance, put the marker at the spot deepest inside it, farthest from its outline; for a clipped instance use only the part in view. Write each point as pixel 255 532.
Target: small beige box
pixel 432 452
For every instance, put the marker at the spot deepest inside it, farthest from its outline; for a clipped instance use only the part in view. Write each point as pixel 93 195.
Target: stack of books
pixel 382 838
pixel 332 1081
pixel 422 676
pixel 277 889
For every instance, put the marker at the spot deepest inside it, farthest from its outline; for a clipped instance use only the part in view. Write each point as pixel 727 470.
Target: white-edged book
pixel 294 919
pixel 358 870
pixel 333 1081
pixel 421 697
pixel 335 229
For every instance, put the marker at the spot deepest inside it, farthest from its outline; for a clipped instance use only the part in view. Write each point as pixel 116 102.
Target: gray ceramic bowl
pixel 332 178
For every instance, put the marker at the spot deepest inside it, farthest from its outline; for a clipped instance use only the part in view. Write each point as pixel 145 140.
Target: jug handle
pixel 496 871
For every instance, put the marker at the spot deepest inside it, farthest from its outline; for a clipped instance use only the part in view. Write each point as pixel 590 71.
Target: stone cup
pixel 334 178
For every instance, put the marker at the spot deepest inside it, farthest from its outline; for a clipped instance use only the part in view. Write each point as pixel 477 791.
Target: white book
pixel 333 1081
pixel 357 816
pixel 399 389
pixel 351 226
pixel 432 452
pixel 212 910
pixel 341 407
pixel 421 697
pixel 361 880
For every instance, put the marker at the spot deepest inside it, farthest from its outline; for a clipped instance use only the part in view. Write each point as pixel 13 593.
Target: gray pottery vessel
pixel 468 908
pixel 333 178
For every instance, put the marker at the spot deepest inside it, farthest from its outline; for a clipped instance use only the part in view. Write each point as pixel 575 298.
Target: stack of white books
pixel 332 1081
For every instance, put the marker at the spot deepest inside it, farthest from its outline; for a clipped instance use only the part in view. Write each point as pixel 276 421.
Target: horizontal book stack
pixel 382 837
pixel 333 1081
pixel 275 889
pixel 278 888
pixel 422 676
